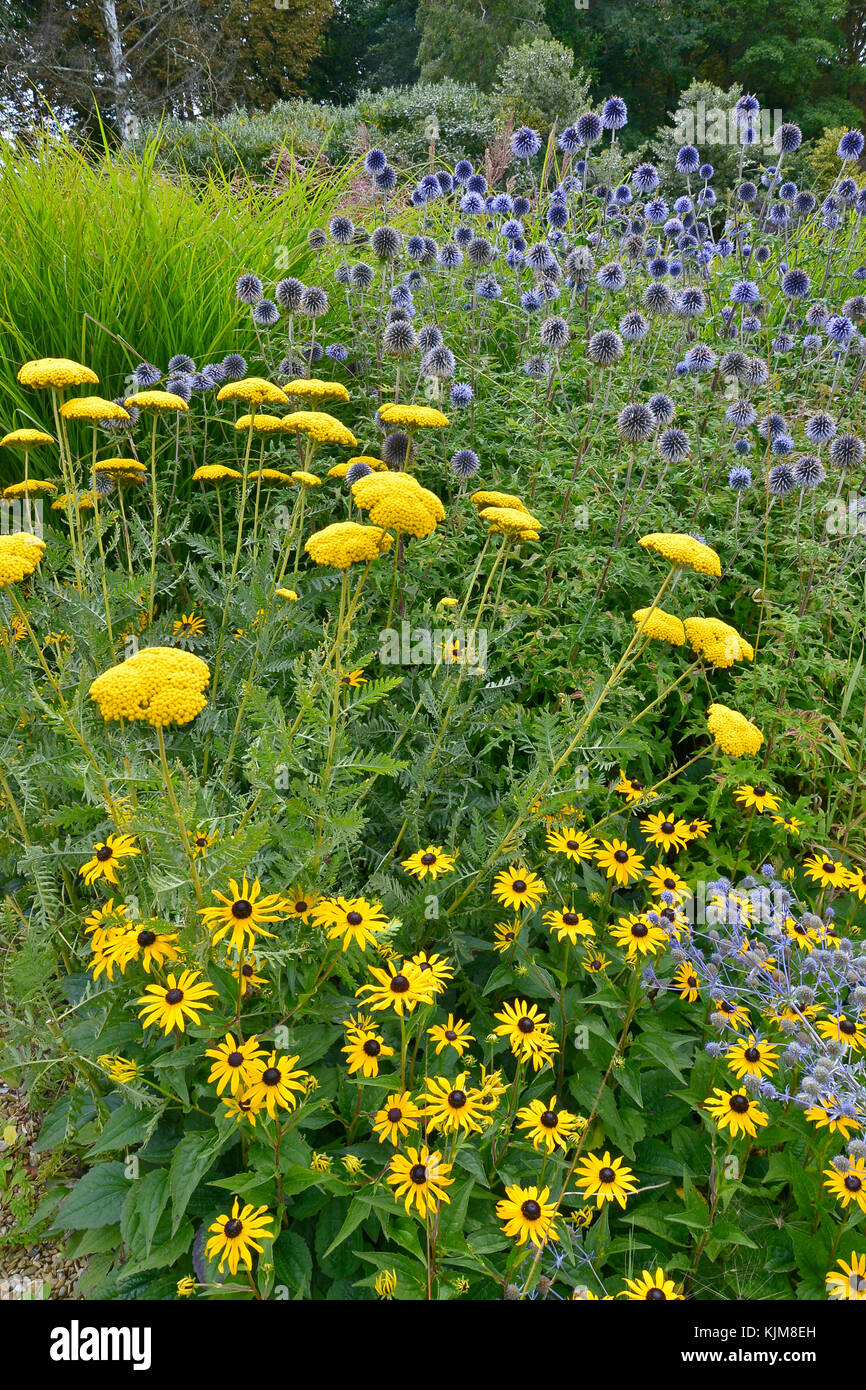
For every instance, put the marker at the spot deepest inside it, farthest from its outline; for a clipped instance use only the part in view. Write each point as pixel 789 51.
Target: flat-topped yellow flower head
pixel 733 732
pixel 313 389
pixel 158 401
pixel 25 439
pixel 413 416
pixel 114 466
pixel 344 543
pixel 720 643
pixel 683 550
pixel 511 521
pixel 498 499
pixel 19 556
pixel 319 425
pixel 253 389
pixel 56 373
pixel 262 424
pixel 92 408
pixel 33 487
pixel 655 622
pixel 216 473
pixel 157 686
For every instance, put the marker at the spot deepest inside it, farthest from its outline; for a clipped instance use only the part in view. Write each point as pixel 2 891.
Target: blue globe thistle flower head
pixel 724 247
pixel 636 423
pixel 860 209
pixel 796 284
pixel 536 368
pixel 745 292
pixel 681 369
pixel 656 211
pixel 520 206
pixel 748 136
pixel 514 259
pixel 375 161
pixel 847 190
pixel 199 383
pixel 850 146
pixel 840 329
pixel 645 178
pixel 673 227
pixel 688 160
pixel 310 352
pixel 462 171
pixel 248 288
pixel 430 187
pixel 557 215
pixel 611 277
pixel 356 471
pixel 751 323
pixel 341 230
pixel 847 451
pixel 554 333
pixel 658 267
pixel 605 347
pixel 317 239
pixel 472 204
pixel 633 326
pixel 743 447
pixel 180 386
pixel 662 407
pixel 614 114
pixel 747 107
pixel 215 373
pixel 787 138
pixel 465 464
pixel 781 444
pixel 691 302
pixel 741 413
pixel 337 352
pixel 489 288
pixel 450 256
pixel 531 300
pixel 265 313
pixel 146 374
pixel 569 140
pixel 809 471
pixel 820 428
pixel 461 395
pixel 386 181
pixel 314 302
pixel 343 274
pixel 739 477
pixel 180 365
pixel 234 366
pixel 747 192
pixel 779 215
pixel 673 445
pixel 622 194
pixel 781 480
pixel 512 229
pixel 589 128
pixel 445 181
pixel 804 203
pixel 700 358
pixel 288 293
pixel 706 172
pixel 707 198
pixel 788 191
pixel 501 204
pixel 525 143
pixel 438 362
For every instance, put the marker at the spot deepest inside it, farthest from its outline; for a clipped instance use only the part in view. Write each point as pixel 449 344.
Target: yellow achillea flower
pixel 270 477
pixel 451 1106
pixel 57 373
pixel 421 1177
pixel 92 408
pixel 498 499
pixel 528 1214
pixel 652 1288
pixel 314 389
pixel 157 686
pixel 568 924
pixel 516 887
pixel 849 1186
pixel 33 487
pixel 851 1282
pixel 619 861
pixel 82 501
pixel 160 402
pixel 216 473
pixel 683 550
pixel 20 553
pixel 386 1283
pixel 306 479
pixel 415 416
pixel 253 389
pixel 736 1111
pixel 455 1033
pixel 290 595
pixel 575 844
pixel 344 543
pixel 656 623
pixel 118 467
pixel 261 423
pixel 720 643
pixel 350 919
pixel 733 732
pixel 235 1237
pixel 546 1126
pixel 172 1004
pixel 242 913
pixel 25 439
pixel 399 1115
pixel 752 1057
pixel 830 873
pixel 323 428
pixel 510 521
pixel 106 855
pixel 376 464
pixel 432 860
pixel 606 1179
pixel 273 1081
pixel 232 1063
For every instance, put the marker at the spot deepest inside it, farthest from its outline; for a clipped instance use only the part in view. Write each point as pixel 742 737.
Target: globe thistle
pixel 820 428
pixel 314 302
pixel 605 347
pixel 357 470
pixel 477 183
pixel 855 308
pixel 146 375
pixel 657 298
pixel 662 408
pixel 450 256
pixel 248 288
pixel 645 178
pixel 479 252
pixel 438 363
pixel 611 277
pixel 633 326
pixel 290 367
pixel 614 114
pixel 554 334
pixel 288 293
pixel 341 230
pixel 396 449
pixel 739 478
pixel 781 480
pixel 751 323
pixel 700 358
pixel 795 284
pixel 755 372
pixel 386 243
pixel 847 190
pixel 461 394
pixel 782 343
pixel 622 195
pixel 734 363
pixel 521 206
pixel 215 373
pixel 337 352
pixel 809 471
pixel 691 303
pixel 781 444
pixel 265 313
pixel 762 255
pixel 847 451
pixel 772 426
pixel 569 140
pixel 178 386
pixel 462 170
pixel 747 108
pixel 525 143
pixel 180 365
pixel 399 339
pixel 687 160
pixel 817 315
pixel 199 382
pixel 673 445
pixel 540 257
pixel 745 292
pixel 747 192
pixel 430 336
pixel 636 423
pixel 375 161
pixel 557 215
pixel 589 128
pixel 386 180
pixel 429 187
pixel 787 138
pixel 742 447
pixel 579 265
pixel 536 368
pixel 850 146
pixel 488 288
pixel 465 464
pixel 310 352
pixel 656 211
pixel 804 204
pixel 742 414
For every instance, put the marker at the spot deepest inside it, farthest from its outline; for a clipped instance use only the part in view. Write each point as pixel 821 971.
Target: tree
pixel 536 85
pixel 367 44
pixel 467 39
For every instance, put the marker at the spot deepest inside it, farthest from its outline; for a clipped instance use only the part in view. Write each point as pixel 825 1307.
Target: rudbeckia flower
pixel 575 844
pixel 652 1288
pixel 176 1003
pixel 848 1186
pixel 432 860
pixel 235 1237
pixel 759 797
pixel 421 1177
pixel 516 887
pixel 242 913
pixel 606 1179
pixel 736 1111
pixel 619 861
pixel 107 856
pixel 528 1214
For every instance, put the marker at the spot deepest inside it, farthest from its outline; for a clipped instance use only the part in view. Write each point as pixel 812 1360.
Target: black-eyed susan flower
pixel 851 1032
pixel 806 938
pixel 106 922
pixel 186 1286
pixel 849 1185
pixel 828 1114
pixel 630 788
pixel 752 1056
pixel 699 829
pixel 849 1280
pixel 108 855
pixel 300 902
pixel 385 1283
pixel 354 679
pixel 516 887
pixel 528 1214
pixel 232 1063
pixel 758 796
pixel 397 1117
pixel 321 1163
pixel 120 1069
pixel 830 873
pixel 594 961
pixel 665 831
pixel 455 1034
pixel 242 914
pixel 856 881
pixel 398 987
pixel 652 1288
pixel 736 1111
pixel 242 1107
pixel 736 1016
pixel 686 980
pixel 350 919
pixel 606 1179
pixel 636 936
pixel 235 1237
pixel 438 970
pixel 201 840
pixel 420 1177
pixel 433 861
pixel 546 1126
pixel 505 934
pixel 661 879
pixel 520 1023
pixel 353 1165
pixel 187 628
pixel 568 925
pixel 451 1105
pixel 177 1002
pixel 143 944
pixel 575 844
pixel 365 1051
pixel 246 971
pixel 619 861
pixel 274 1081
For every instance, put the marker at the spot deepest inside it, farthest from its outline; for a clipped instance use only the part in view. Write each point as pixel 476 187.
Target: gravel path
pixel 29 1271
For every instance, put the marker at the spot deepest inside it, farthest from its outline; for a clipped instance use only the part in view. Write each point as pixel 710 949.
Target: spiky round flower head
pixel 438 363
pixel 337 352
pixel 288 293
pixel 430 336
pixel 787 138
pixel 605 348
pixel 180 364
pixel 146 374
pixel 614 114
pixel 314 302
pixel 645 178
pixel 386 243
pixel 809 471
pixel 636 423
pixel 356 470
pixel 700 358
pixel 399 339
pixel 679 549
pixel 855 308
pixel 739 478
pixel 157 686
pixel 673 445
pixel 840 329
pixel 589 128
pixel 341 230
pixel 361 275
pixel 450 256
pixel 375 161
pixel 554 334
pixel 742 414
pixel 611 278
pixel 850 146
pixel 579 265
pixel 781 444
pixel 265 313
pixel 817 315
pixel 317 239
pixel 688 160
pixel 479 252
pixel 633 326
pixel 386 181
pixel 795 284
pixel 781 480
pixel 747 108
pixel 662 408
pixel 847 451
pixel 536 368
pixel 755 372
pixel 248 288
pixel 745 292
pixel 804 203
pixel 733 733
pixel 465 464
pixel 747 192
pixel 525 143
pixel 569 141
pixel 461 394
pixel 742 447
pixel 396 449
pixel 657 298
pixel 772 426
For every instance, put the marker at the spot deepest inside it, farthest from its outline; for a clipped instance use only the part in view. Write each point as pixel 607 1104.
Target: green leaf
pixel 359 1208
pixel 96 1199
pixel 293 1263
pixel 193 1157
pixel 126 1128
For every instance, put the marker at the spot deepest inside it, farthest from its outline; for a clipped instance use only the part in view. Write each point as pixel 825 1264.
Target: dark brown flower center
pixel 526 1025
pixel 104 852
pixel 655 1294
pixel 828 866
pixel 621 856
pixel 301 907
pixel 146 938
pixel 399 984
pixel 639 929
pixel 428 858
pixel 233 1228
pixel 235 1059
pixel 847 1027
pixel 570 919
pixel 691 982
pixel 518 886
pixel 354 919
pixel 668 827
pixel 395 1114
pixel 739 1104
pixel 271 1077
pixel 531 1210
pixel 853 1183
pixel 549 1119
pixel 752 1054
pixel 760 791
pixel 572 844
pixel 457 1100
pixel 450 1034
pixel 418 1174
pixel 372 1048
pixel 173 996
pixel 242 909
pixel 606 1175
